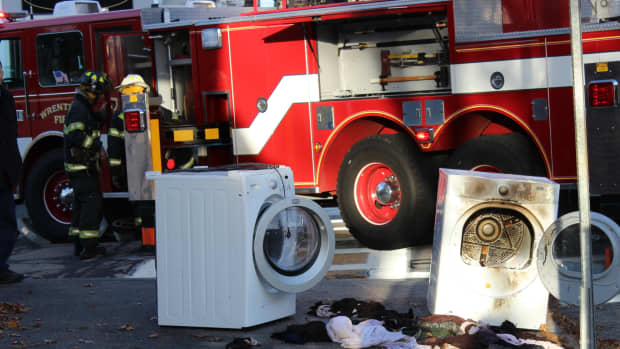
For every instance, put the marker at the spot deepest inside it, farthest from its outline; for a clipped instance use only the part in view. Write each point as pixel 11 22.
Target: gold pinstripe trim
pixel 345 122
pixel 228 29
pixel 513 116
pixel 601 38
pixel 498 47
pixel 564 178
pixel 561 42
pixel 533 44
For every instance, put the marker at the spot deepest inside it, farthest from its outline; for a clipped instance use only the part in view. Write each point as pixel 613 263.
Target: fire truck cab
pixel 43 59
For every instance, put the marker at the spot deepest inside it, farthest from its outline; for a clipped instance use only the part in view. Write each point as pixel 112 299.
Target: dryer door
pixel 559 258
pixel 293 244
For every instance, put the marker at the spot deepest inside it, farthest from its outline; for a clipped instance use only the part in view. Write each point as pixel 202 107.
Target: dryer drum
pixel 497 237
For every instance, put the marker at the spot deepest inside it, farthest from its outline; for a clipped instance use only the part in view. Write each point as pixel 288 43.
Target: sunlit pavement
pixel 37 258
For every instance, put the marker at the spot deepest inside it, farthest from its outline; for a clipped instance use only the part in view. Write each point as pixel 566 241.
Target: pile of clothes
pixel 361 324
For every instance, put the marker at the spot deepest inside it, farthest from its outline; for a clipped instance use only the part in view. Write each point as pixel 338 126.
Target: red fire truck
pixel 364 100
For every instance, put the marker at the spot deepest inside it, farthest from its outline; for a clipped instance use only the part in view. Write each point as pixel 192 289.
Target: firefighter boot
pixel 77 245
pixel 91 249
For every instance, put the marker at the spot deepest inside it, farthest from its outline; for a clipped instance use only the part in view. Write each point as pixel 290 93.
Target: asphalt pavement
pixel 109 303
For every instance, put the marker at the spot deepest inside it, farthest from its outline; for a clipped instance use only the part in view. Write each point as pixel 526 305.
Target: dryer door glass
pixel 293 244
pixel 559 258
pixel 292 241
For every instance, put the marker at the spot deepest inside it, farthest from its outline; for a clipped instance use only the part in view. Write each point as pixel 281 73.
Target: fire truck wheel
pixel 49 212
pixel 385 193
pixel 507 153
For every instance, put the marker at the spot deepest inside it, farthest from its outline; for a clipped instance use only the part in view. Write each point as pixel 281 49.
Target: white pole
pixel 586 328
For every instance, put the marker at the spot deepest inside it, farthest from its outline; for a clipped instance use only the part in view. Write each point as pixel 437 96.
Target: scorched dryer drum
pixel 235 245
pixel 487 228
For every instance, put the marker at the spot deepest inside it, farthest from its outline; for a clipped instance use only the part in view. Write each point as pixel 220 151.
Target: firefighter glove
pixel 79 155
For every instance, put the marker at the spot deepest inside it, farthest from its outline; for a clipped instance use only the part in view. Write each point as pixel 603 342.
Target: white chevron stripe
pixel 291 89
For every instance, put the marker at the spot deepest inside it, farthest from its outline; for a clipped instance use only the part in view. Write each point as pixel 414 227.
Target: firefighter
pixel 82 148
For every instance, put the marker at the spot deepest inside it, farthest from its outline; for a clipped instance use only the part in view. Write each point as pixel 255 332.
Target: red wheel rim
pixel 487 168
pixel 377 193
pixel 56 208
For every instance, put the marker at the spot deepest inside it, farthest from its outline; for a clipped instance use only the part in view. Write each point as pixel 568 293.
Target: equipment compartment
pixel 383 55
pixel 173 64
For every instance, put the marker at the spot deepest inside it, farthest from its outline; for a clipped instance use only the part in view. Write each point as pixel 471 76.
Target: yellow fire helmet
pixel 132 83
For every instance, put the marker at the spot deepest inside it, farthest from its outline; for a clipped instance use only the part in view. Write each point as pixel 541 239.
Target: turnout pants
pixel 87 208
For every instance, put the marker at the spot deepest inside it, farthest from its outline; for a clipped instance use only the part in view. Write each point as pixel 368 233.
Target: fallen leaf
pixel 7 308
pixel 49 341
pixel 207 337
pixel 126 328
pixel 12 324
pixel 153 335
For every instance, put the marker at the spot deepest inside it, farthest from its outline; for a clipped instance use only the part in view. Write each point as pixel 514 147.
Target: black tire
pixel 48 169
pixel 508 153
pixel 408 224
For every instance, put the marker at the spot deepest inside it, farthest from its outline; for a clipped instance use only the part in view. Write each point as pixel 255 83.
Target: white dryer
pixel 487 227
pixel 235 245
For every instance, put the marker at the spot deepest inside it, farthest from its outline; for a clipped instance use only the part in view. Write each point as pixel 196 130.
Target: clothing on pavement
pixel 365 334
pixel 313 331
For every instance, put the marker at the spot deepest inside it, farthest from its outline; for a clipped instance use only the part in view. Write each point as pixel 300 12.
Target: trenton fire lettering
pixel 54 108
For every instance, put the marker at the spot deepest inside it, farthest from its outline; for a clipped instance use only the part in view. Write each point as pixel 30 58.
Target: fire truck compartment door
pixel 293 244
pixel 559 258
